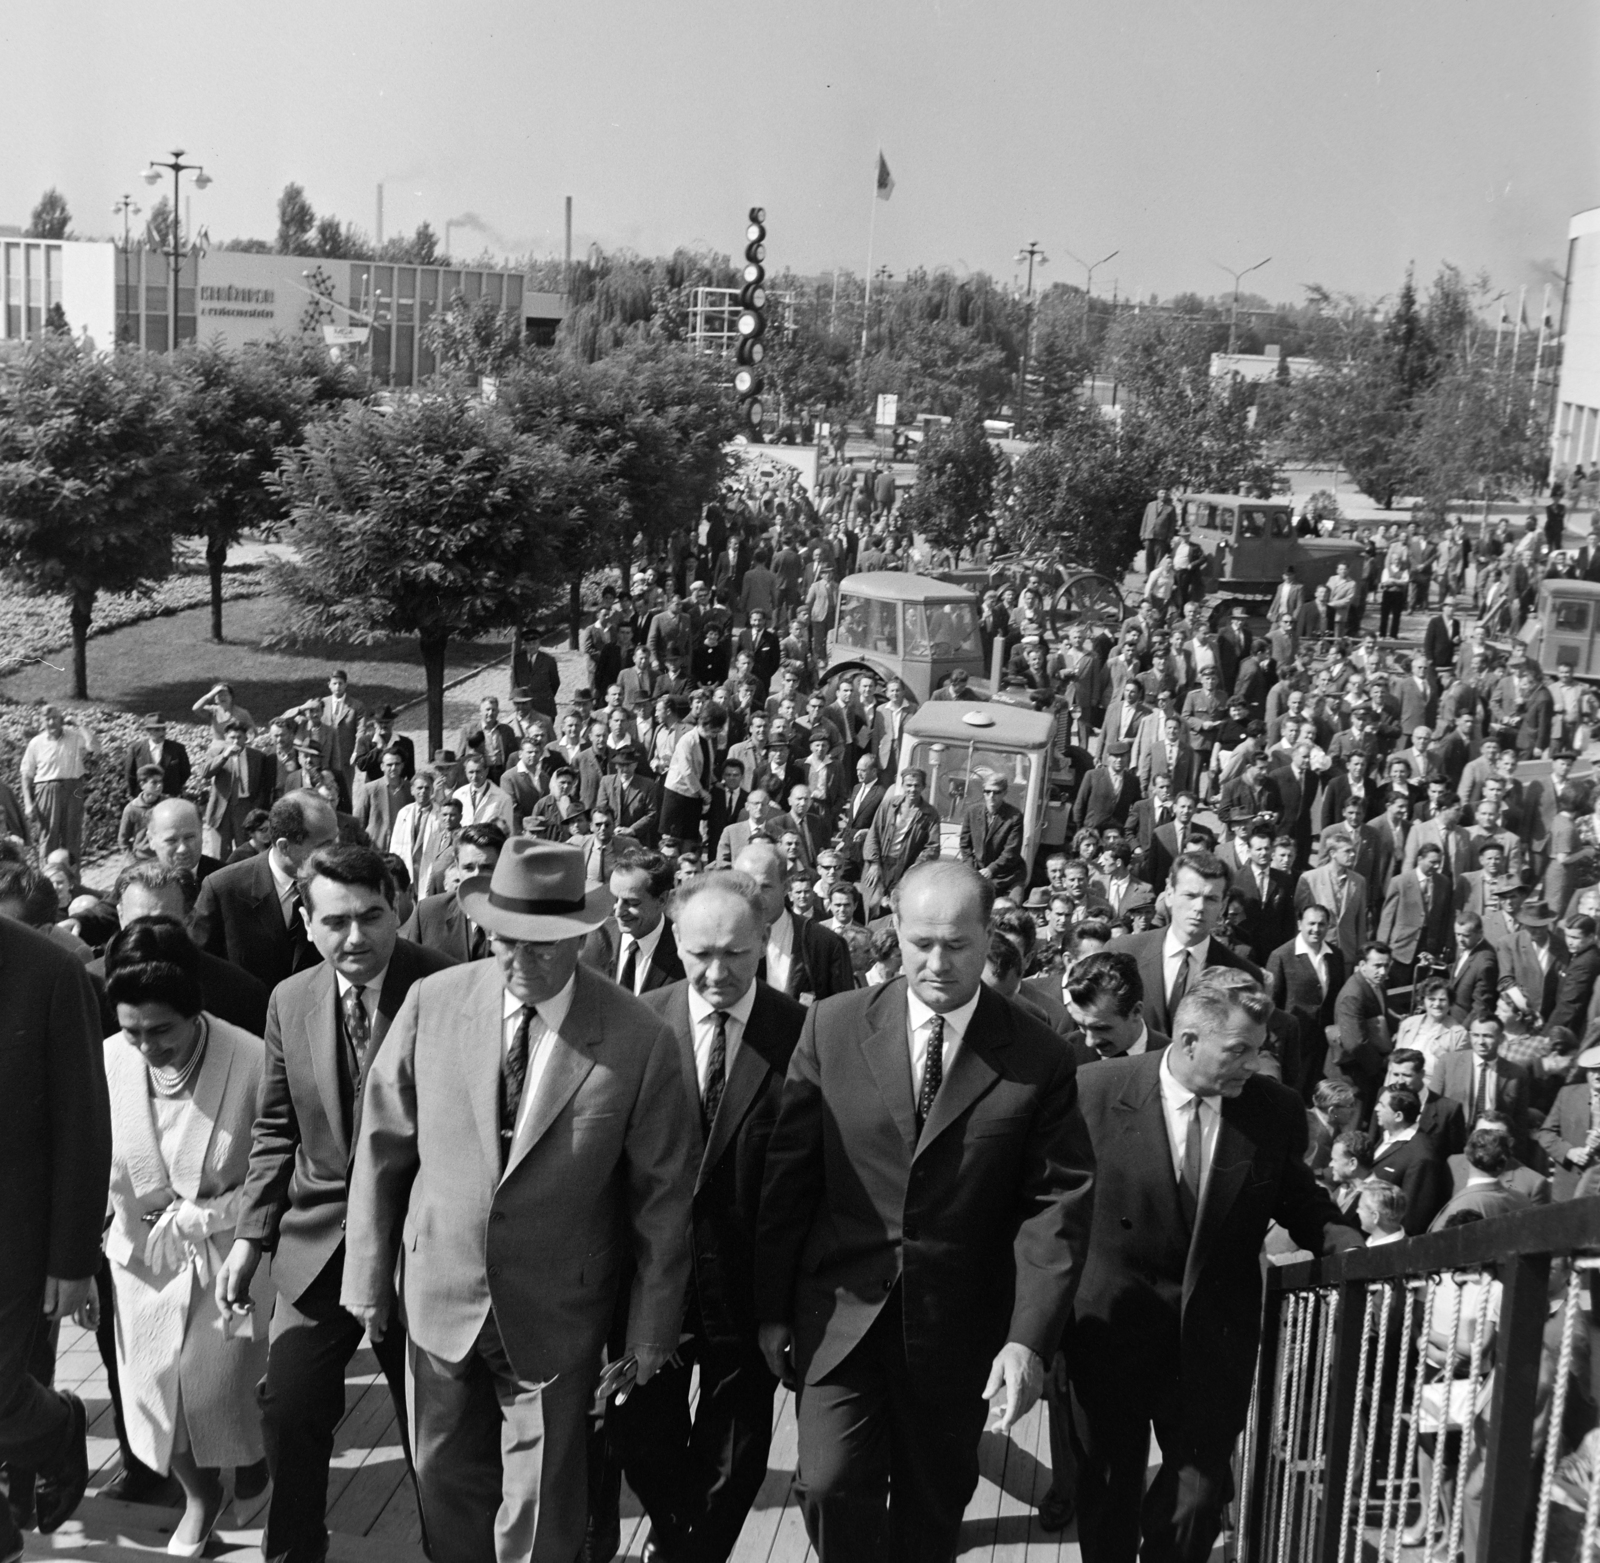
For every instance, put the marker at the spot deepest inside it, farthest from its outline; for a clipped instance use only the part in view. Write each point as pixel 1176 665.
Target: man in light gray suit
pixel 525 1143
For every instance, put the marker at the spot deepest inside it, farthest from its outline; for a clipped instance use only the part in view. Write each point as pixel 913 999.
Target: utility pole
pixel 1088 284
pixel 127 210
pixel 152 176
pixel 1031 254
pixel 1233 318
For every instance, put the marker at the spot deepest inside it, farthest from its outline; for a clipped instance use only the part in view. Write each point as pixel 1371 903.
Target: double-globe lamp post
pixel 152 176
pixel 1031 254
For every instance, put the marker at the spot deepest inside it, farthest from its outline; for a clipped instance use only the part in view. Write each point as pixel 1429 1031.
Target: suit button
pixel 910 1232
pixel 494 1270
pixel 888 1285
pixel 497 1215
pixel 1127 1224
pixel 341 1224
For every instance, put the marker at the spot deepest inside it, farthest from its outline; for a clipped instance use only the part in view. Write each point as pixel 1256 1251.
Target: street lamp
pixel 1233 318
pixel 1031 254
pixel 1088 283
pixel 127 209
pixel 152 176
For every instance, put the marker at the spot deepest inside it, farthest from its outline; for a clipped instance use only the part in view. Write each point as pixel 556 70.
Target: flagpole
pixel 1516 339
pixel 872 230
pixel 1538 356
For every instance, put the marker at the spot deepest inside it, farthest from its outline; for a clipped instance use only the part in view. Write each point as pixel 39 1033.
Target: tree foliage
pixel 296 219
pixel 50 219
pixel 473 340
pixel 436 518
pixel 953 499
pixel 93 476
pixel 242 409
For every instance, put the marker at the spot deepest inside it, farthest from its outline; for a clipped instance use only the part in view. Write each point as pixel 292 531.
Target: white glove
pixel 183 1234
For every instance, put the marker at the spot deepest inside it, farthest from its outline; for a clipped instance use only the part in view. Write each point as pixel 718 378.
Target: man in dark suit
pixel 1474 974
pixel 1108 792
pixel 155 748
pixel 857 811
pixel 635 946
pixel 1576 988
pixel 1440 1118
pixel 437 922
pixel 802 960
pixel 249 913
pixel 528 1117
pixel 727 803
pixel 241 779
pixel 375 738
pixel 146 889
pixel 697 1479
pixel 490 737
pixel 1409 1159
pixel 324 1027
pixel 1305 977
pixel 921 1230
pixel 175 835
pixel 1570 1133
pixel 991 837
pixel 1483 1081
pixel 1171 958
pixel 55 1163
pixel 1492 1181
pixel 1358 1054
pixel 1268 895
pixel 807 820
pixel 1105 1003
pixel 635 799
pixel 1195 1154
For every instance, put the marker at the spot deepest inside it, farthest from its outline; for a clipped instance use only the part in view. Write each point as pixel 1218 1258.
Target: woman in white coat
pixel 183 1096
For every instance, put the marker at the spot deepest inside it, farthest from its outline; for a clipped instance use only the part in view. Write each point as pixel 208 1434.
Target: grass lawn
pixel 166 664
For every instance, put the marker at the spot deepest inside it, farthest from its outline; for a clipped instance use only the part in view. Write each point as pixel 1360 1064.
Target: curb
pixel 453 683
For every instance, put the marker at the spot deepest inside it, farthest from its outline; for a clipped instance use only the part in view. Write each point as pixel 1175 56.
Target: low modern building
pixel 366 307
pixel 1575 438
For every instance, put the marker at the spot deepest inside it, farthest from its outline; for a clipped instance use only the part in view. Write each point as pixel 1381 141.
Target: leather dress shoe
pixel 61 1489
pixel 250 1481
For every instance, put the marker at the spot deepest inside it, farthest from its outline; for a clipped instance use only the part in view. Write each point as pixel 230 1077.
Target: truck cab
pixel 1564 628
pixel 960 744
pixel 1250 542
pixel 905 627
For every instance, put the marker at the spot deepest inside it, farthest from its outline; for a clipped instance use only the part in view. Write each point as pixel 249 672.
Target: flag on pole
pixel 1505 318
pixel 885 179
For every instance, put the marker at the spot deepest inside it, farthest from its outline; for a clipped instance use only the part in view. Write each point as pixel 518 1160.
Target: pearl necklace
pixel 169 1082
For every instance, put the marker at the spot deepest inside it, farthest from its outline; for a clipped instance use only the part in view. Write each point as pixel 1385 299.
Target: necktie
pixel 627 979
pixel 1180 984
pixel 932 1071
pixel 716 1068
pixel 1189 1185
pixel 478 944
pixel 513 1073
pixel 357 1033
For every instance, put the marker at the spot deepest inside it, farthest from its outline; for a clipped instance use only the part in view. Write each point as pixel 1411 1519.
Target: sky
pixel 1344 140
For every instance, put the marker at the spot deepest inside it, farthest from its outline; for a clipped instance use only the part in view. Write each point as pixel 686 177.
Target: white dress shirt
pixel 1178 1102
pixel 641 962
pixel 701 1017
pixel 1318 959
pixel 549 1017
pixel 919 1022
pixel 1171 951
pixel 780 951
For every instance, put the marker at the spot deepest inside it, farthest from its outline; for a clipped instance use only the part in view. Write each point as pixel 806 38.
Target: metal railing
pixel 1399 1394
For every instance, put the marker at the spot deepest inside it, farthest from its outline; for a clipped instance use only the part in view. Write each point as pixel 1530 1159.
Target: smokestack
pixel 380 213
pixel 566 273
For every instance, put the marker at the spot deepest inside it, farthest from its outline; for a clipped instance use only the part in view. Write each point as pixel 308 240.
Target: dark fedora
pixel 538 891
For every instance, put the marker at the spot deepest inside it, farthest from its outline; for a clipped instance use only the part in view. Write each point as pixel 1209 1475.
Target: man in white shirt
pixel 482 802
pixel 53 769
pixel 1381 1209
pixel 635 946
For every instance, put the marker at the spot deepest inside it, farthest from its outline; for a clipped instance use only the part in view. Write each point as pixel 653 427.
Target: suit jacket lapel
pixel 745 1079
pixel 1231 1161
pixel 568 1066
pixel 682 1025
pixel 481 1034
pixel 322 1038
pixel 971 1073
pixel 1142 1121
pixel 890 1062
pixel 133 1122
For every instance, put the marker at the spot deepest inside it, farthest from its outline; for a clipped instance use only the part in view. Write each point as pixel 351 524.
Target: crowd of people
pixel 640 1051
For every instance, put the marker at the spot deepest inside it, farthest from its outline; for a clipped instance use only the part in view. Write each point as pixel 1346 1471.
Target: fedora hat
pixel 1589 1058
pixel 537 891
pixel 1536 914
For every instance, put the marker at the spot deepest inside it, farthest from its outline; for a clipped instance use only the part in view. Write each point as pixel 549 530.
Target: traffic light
pixel 752 324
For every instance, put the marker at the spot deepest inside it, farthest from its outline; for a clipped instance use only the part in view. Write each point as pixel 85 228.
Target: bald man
pixel 174 834
pixel 802 959
pixel 923 1226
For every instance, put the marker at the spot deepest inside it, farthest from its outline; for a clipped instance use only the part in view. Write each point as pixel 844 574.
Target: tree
pixel 296 219
pixel 952 501
pixel 1084 489
pixel 50 219
pixel 242 408
pixel 158 225
pixel 1061 361
pixel 473 339
pixel 434 518
pixel 93 476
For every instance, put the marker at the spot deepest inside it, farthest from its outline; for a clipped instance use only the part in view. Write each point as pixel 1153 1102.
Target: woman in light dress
pixel 183 1095
pixel 1431 1031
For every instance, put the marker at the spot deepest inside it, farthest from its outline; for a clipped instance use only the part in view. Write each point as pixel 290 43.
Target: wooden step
pixel 106 1529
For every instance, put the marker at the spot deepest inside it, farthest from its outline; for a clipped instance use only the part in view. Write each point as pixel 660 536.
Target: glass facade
pixel 401 300
pixel 30 283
